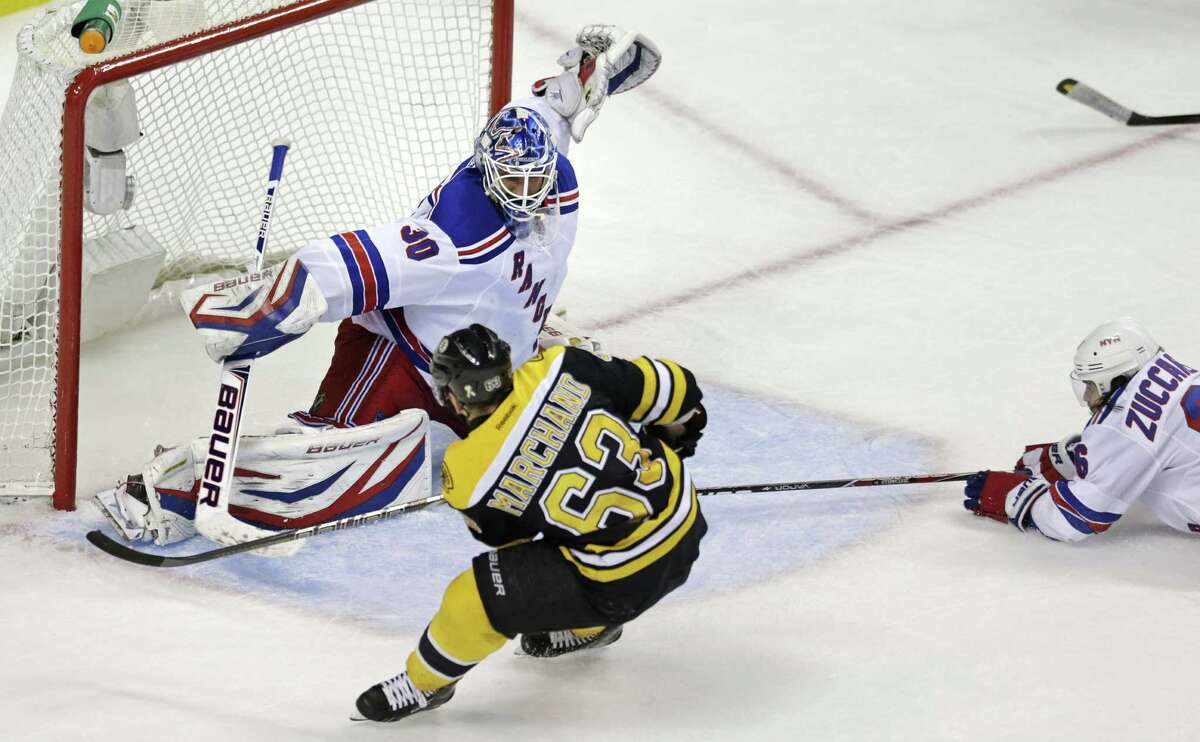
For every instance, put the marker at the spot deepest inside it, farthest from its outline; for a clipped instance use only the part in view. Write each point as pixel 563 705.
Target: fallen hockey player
pixel 1141 443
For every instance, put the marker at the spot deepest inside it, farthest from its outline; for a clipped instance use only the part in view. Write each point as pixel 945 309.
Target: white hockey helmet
pixel 1114 349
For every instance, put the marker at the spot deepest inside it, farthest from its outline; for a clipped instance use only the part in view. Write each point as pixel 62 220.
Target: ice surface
pixel 392 575
pixel 877 233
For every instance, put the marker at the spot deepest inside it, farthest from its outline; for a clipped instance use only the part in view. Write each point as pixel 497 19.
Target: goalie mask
pixel 474 364
pixel 518 159
pixel 1109 357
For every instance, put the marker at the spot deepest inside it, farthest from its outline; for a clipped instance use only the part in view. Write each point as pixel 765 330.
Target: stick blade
pixel 102 542
pixel 1095 100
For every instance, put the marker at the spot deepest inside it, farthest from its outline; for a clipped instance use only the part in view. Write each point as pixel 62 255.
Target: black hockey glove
pixel 683 434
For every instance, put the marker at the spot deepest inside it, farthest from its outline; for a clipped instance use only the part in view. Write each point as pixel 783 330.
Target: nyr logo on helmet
pixel 518 138
pixel 1110 340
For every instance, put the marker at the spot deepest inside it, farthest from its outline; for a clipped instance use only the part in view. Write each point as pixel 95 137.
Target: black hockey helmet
pixel 473 363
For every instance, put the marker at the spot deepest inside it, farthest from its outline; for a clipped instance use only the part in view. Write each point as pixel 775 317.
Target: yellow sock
pixel 459 636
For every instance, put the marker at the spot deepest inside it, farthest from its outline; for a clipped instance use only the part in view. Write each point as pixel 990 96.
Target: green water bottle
pixel 96 24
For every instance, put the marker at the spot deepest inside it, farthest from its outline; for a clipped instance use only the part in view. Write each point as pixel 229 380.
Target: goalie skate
pixel 128 508
pixel 123 522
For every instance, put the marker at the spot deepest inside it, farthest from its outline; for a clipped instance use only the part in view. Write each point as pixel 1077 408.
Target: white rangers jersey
pixel 1144 444
pixel 451 263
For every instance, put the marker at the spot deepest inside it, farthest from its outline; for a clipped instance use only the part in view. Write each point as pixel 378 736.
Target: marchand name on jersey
pixel 535 455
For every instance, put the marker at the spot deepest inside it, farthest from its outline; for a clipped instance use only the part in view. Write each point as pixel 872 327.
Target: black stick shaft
pixel 825 484
pixel 1138 119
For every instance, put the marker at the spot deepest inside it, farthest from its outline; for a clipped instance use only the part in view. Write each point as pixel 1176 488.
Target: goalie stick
pixel 212 503
pixel 119 550
pixel 1096 100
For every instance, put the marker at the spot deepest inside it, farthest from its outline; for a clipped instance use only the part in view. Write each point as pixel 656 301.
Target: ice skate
pixel 396 698
pixel 557 643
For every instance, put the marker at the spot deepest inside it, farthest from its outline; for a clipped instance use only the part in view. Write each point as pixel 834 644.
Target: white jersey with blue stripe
pixel 451 263
pixel 1143 445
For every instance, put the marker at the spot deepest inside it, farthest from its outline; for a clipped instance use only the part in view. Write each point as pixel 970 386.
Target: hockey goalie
pixel 488 245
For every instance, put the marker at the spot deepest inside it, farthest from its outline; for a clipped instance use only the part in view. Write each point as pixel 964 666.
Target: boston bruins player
pixel 553 451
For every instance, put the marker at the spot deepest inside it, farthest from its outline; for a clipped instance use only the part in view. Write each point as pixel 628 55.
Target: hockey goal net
pixel 378 97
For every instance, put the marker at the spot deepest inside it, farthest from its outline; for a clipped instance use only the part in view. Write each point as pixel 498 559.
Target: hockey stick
pixel 1094 99
pixel 119 550
pixel 212 503
pixel 825 484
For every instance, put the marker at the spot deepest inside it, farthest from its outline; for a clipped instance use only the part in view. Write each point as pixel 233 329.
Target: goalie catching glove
pixel 608 60
pixel 252 315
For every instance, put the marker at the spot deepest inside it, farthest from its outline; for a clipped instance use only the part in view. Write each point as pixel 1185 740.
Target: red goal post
pixel 486 50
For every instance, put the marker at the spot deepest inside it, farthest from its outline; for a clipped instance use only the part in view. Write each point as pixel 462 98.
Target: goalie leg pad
pixel 295 481
pixel 170 486
pixel 284 481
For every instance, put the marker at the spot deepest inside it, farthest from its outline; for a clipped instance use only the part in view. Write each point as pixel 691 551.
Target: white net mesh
pixel 378 101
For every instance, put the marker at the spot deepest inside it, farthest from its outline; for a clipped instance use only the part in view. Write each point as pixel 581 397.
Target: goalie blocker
pixel 293 479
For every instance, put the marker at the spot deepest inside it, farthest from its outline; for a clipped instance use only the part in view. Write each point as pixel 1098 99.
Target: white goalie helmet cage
pixel 519 161
pixel 1114 349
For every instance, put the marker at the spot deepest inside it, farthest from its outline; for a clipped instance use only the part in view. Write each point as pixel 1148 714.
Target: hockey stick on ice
pixel 825 484
pixel 212 503
pixel 1094 99
pixel 119 550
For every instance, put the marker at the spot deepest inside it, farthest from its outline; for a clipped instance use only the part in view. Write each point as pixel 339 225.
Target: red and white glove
pixel 1052 461
pixel 1004 496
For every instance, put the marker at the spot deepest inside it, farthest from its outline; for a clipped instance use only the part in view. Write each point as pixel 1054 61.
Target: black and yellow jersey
pixel 561 457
